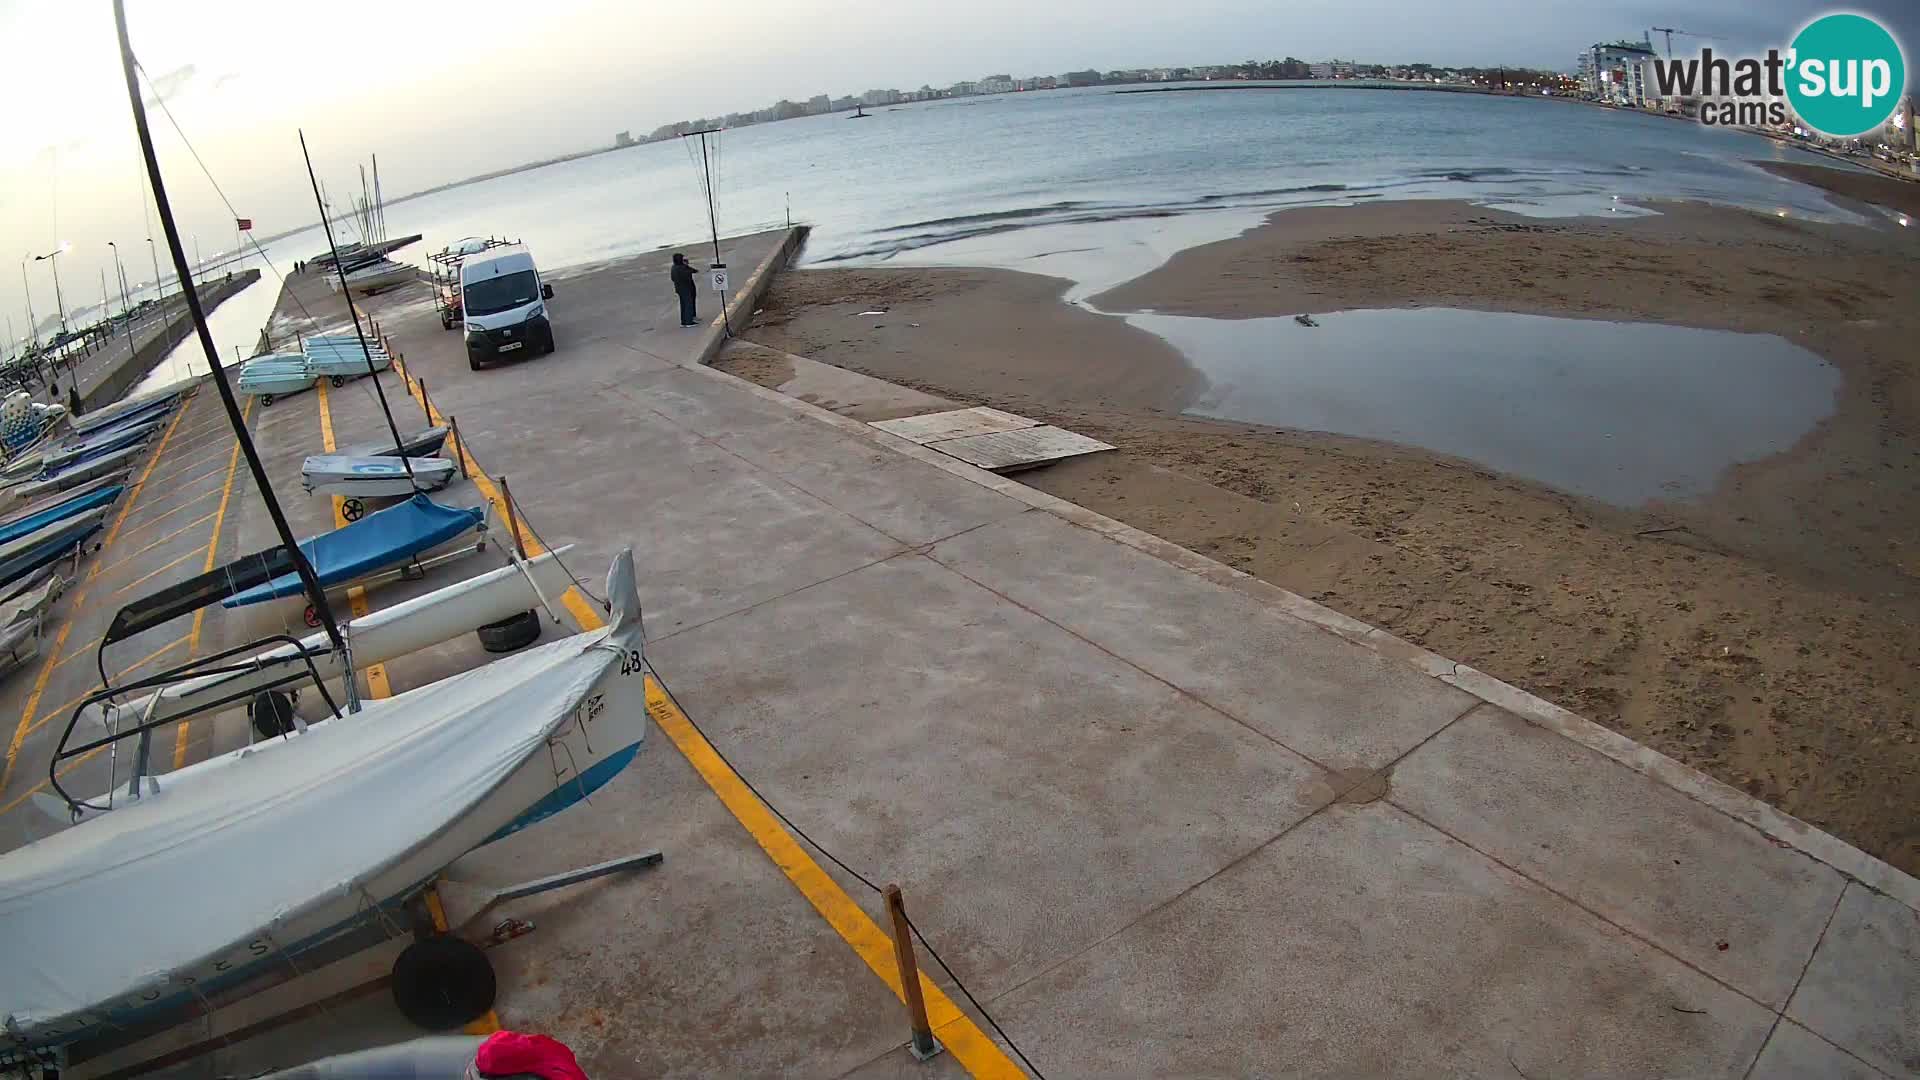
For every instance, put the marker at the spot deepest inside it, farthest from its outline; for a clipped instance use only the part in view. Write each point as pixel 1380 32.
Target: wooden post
pixel 459 448
pixel 923 1044
pixel 513 520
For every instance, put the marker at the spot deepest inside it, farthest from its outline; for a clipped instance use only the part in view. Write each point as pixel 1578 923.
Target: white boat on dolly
pixel 404 787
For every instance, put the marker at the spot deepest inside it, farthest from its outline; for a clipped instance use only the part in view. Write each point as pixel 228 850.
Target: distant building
pixel 1042 82
pixel 819 103
pixel 996 84
pixel 1619 73
pixel 624 138
pixel 962 89
pixel 880 97
pixel 1083 78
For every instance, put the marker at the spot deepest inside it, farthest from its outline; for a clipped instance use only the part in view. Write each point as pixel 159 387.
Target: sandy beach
pixel 1764 633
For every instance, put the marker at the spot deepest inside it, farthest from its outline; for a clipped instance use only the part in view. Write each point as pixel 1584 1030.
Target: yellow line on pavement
pixel 213 556
pixel 42 785
pixel 151 522
pixel 80 598
pixel 970 1046
pixel 135 666
pixel 161 570
pixel 129 557
pixel 377 684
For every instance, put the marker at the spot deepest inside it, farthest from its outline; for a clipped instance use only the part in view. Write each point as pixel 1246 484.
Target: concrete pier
pixel 106 374
pixel 1160 818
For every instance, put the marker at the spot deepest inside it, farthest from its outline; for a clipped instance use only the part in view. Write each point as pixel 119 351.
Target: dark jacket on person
pixel 682 274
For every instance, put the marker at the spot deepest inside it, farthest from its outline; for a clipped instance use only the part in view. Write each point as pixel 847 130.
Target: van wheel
pixel 550 346
pixel 474 362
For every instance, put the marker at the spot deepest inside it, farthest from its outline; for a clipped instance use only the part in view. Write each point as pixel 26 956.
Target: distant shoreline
pixel 1444 88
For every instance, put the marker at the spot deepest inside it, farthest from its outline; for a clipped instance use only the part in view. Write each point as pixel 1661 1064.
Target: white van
pixel 504 303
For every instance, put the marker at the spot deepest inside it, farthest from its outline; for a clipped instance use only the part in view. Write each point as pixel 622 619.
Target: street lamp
pixel 59 300
pixel 126 312
pixel 33 321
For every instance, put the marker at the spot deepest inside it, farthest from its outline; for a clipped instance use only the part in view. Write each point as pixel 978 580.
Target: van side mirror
pixel 546 291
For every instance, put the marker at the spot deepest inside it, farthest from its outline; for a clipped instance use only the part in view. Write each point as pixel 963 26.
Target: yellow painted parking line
pixel 80 598
pixel 203 459
pixel 42 785
pixel 79 651
pixel 155 573
pixel 130 556
pixel 377 684
pixel 970 1046
pixel 64 707
pixel 150 522
pixel 213 555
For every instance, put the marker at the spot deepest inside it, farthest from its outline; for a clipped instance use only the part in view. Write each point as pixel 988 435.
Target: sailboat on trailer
pixel 404 786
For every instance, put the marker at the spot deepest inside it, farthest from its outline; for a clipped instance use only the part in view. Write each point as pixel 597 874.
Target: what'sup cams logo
pixel 1842 76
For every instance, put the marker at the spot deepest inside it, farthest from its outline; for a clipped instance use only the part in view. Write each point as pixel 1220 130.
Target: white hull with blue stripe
pixel 240 863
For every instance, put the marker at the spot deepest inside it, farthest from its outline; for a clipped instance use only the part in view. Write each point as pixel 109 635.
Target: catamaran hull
pixel 78 474
pixel 374 476
pixel 597 738
pixel 387 634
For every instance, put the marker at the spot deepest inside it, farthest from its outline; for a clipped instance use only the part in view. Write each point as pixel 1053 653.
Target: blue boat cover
pixel 91 455
pixel 377 541
pixel 60 512
pixel 54 547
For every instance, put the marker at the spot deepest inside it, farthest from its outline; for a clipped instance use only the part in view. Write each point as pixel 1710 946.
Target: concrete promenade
pixel 1162 819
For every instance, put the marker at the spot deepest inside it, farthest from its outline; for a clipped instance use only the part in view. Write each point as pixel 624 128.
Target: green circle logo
pixel 1845 75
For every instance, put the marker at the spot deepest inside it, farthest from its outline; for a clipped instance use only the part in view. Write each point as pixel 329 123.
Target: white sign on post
pixel 719 274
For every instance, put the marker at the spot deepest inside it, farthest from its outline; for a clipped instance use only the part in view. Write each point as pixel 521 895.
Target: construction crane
pixel 1670 31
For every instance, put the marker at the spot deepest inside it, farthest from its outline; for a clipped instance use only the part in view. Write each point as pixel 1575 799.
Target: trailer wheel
pixel 266 401
pixel 338 381
pixel 312 616
pixel 271 712
pixel 353 509
pixel 513 632
pixel 443 982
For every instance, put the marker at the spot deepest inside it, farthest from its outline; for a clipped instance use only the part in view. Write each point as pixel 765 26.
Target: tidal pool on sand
pixel 1623 412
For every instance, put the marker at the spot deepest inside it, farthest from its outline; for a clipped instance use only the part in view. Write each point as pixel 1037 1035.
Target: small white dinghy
pixel 404 787
pixel 361 477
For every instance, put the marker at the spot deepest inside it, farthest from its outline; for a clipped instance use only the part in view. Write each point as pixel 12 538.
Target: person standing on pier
pixel 682 274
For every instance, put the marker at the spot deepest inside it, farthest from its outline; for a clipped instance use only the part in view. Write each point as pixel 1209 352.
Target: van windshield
pixel 489 296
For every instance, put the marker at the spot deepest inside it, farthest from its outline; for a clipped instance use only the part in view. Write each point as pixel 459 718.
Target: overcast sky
pixel 445 90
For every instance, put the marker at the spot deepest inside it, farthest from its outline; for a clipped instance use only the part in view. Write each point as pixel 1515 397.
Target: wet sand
pixel 1765 634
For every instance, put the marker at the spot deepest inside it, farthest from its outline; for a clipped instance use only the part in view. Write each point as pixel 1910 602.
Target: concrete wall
pixel 155 344
pixel 740 308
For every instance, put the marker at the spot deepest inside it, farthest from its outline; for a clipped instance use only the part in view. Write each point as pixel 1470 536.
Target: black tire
pixel 352 509
pixel 271 712
pixel 474 362
pixel 510 633
pixel 312 617
pixel 266 401
pixel 550 346
pixel 338 381
pixel 441 983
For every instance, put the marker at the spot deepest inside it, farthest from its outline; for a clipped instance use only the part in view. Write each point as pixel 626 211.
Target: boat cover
pixel 379 540
pixel 90 462
pixel 99 443
pixel 21 542
pixel 208 856
pixel 275 373
pixel 48 545
pixel 118 476
pixel 60 511
pixel 374 475
pixel 418 444
pixel 125 412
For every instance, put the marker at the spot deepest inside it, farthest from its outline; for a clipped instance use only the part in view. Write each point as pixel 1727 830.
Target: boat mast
pixel 315 594
pixel 347 294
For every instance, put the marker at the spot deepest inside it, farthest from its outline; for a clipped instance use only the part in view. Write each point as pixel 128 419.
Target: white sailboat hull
pixel 394 794
pixel 387 634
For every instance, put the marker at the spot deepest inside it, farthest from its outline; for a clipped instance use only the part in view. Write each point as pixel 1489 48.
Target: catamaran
pixel 404 785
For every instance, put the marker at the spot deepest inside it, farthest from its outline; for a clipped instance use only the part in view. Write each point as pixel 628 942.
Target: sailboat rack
pixel 446 273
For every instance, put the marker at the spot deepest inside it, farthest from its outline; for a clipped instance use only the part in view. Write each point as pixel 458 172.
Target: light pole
pixel 126 312
pixel 59 300
pixel 159 290
pixel 33 321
